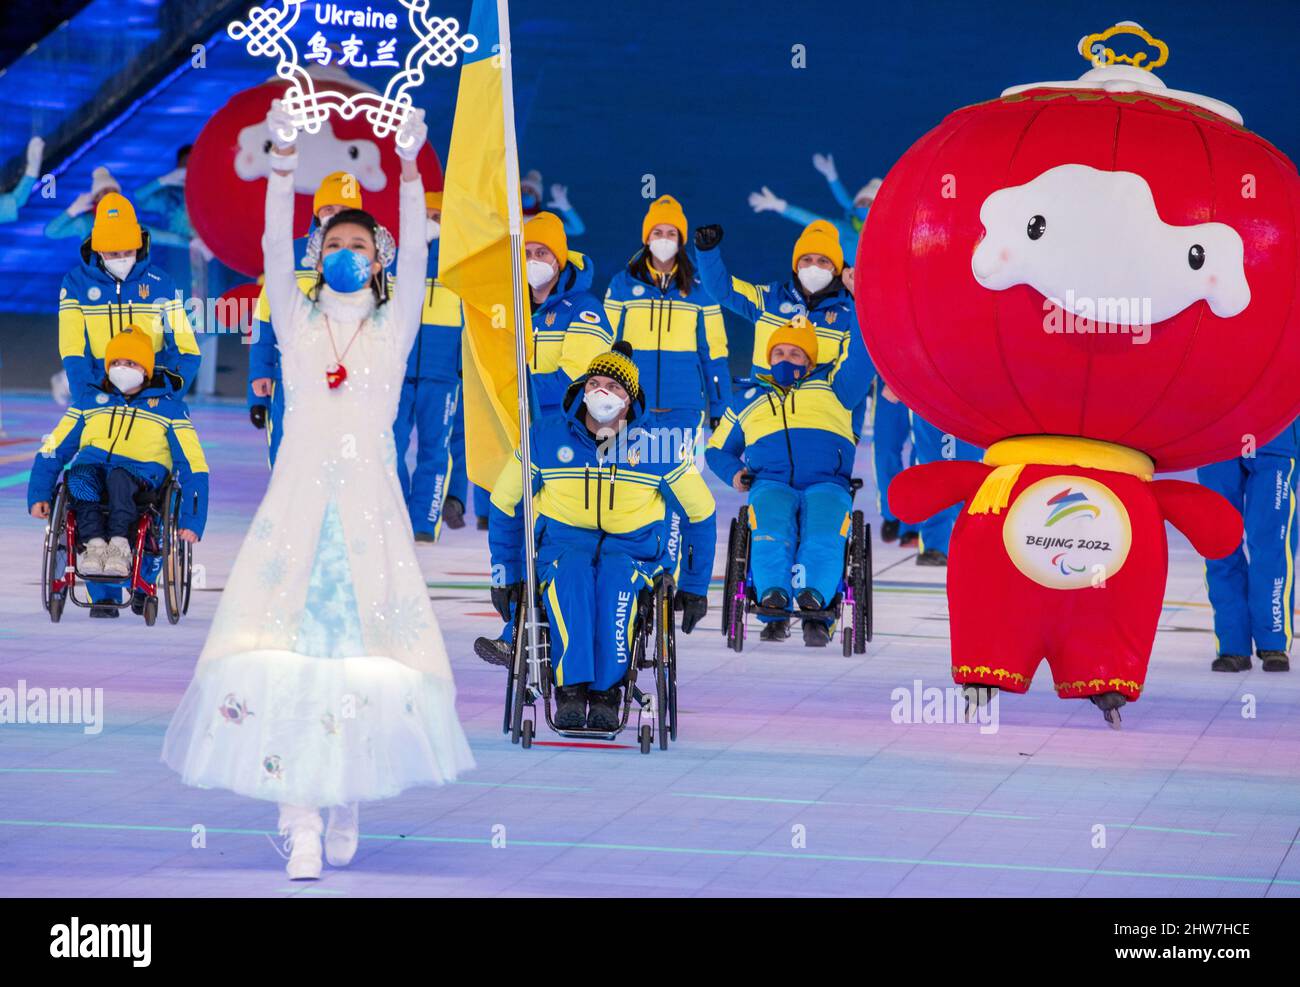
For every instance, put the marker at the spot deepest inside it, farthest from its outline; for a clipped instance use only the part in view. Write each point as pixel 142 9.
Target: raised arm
pixel 413 257
pixel 288 304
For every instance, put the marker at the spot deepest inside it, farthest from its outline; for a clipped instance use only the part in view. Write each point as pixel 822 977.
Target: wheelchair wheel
pixel 671 663
pixel 175 576
pixel 860 574
pixel 733 621
pixel 151 611
pixel 526 735
pixel 663 633
pixel 54 560
pixel 646 738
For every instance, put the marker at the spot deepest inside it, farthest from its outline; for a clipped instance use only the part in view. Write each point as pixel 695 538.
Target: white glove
pixel 176 177
pixel 766 201
pixel 280 123
pixel 559 198
pixel 82 203
pixel 825 163
pixel 412 135
pixel 35 152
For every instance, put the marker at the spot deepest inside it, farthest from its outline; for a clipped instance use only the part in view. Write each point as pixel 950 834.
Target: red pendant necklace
pixel 336 373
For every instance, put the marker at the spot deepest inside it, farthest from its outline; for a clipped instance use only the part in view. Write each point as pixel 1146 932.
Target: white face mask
pixel 431 230
pixel 540 273
pixel 125 378
pixel 663 248
pixel 814 278
pixel 119 267
pixel 603 405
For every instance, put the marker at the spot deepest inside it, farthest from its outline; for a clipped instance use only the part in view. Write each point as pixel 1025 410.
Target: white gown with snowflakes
pixel 324 679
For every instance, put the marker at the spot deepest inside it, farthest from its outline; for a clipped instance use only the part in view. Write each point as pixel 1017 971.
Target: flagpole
pixel 521 358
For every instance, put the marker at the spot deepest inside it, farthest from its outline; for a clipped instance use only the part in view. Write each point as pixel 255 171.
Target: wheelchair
pixel 156 533
pixel 739 595
pixel 654 648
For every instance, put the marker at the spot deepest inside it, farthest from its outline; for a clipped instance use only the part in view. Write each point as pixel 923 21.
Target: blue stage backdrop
pixel 702 96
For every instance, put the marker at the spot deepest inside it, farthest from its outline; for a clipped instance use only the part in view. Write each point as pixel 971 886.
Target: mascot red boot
pixel 1095 281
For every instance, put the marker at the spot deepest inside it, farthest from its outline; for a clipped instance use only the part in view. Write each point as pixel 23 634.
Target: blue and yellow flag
pixel 474 255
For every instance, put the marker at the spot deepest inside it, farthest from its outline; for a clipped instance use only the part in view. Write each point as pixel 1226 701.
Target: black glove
pixel 707 237
pixel 714 422
pixel 257 415
pixel 694 607
pixel 503 596
pixel 746 479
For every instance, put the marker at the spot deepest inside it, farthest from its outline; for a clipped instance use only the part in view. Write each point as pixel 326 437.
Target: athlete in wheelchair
pixel 788 441
pixel 625 523
pixel 134 498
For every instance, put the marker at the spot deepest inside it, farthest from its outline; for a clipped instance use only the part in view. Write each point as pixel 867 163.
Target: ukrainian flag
pixel 474 255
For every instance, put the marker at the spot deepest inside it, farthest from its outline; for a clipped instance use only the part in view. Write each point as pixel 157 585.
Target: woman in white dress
pixel 324 681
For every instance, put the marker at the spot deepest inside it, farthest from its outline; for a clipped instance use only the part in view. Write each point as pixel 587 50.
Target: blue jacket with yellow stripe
pixel 149 434
pixel 770 306
pixel 570 329
pixel 799 435
pixel 94 307
pixel 622 495
pixel 678 338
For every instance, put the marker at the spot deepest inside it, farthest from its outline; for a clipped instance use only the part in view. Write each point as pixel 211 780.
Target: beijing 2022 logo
pixel 1067 532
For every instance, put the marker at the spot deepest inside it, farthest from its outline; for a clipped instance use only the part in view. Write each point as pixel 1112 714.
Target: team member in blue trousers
pixel 789 442
pixel 929 445
pixel 891 426
pixel 458 486
pixel 337 191
pixel 430 392
pixel 605 502
pixel 1253 589
pixel 675 327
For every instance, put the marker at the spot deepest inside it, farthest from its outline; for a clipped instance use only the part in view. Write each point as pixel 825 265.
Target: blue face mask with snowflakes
pixel 346 270
pixel 785 373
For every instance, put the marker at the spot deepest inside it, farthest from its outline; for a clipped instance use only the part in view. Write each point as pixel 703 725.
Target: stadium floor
pixel 790 776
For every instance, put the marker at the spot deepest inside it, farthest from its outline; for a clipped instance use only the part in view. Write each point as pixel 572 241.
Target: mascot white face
pixel 319 154
pixel 1088 239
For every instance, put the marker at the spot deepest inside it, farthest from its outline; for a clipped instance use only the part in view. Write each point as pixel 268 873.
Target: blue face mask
pixel 346 270
pixel 786 373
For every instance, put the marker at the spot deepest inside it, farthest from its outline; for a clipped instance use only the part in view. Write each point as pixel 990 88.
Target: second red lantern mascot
pixel 1094 280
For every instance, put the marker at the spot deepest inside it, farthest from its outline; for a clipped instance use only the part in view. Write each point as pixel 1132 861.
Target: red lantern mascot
pixel 1095 280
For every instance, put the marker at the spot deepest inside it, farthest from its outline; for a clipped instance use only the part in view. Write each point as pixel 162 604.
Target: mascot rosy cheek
pixel 1095 281
pixel 225 190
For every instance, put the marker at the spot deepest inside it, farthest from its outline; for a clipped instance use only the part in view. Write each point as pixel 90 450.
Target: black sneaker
pixel 932 556
pixel 816 634
pixel 105 612
pixel 481 524
pixel 494 651
pixel 453 512
pixel 1275 661
pixel 776 599
pixel 775 630
pixel 137 603
pixel 810 599
pixel 602 709
pixel 909 539
pixel 889 531
pixel 570 707
pixel 424 537
pixel 1231 663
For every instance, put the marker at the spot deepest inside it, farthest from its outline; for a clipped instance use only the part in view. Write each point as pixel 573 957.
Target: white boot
pixel 342 834
pixel 301 827
pixel 91 561
pixel 118 558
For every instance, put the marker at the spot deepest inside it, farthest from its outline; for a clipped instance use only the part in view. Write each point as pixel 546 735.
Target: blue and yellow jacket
pixel 436 353
pixel 94 306
pixel 799 435
pixel 149 434
pixel 621 496
pixel 678 338
pixel 570 329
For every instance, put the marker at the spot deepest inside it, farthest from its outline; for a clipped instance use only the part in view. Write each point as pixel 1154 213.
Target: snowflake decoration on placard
pixel 266 33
